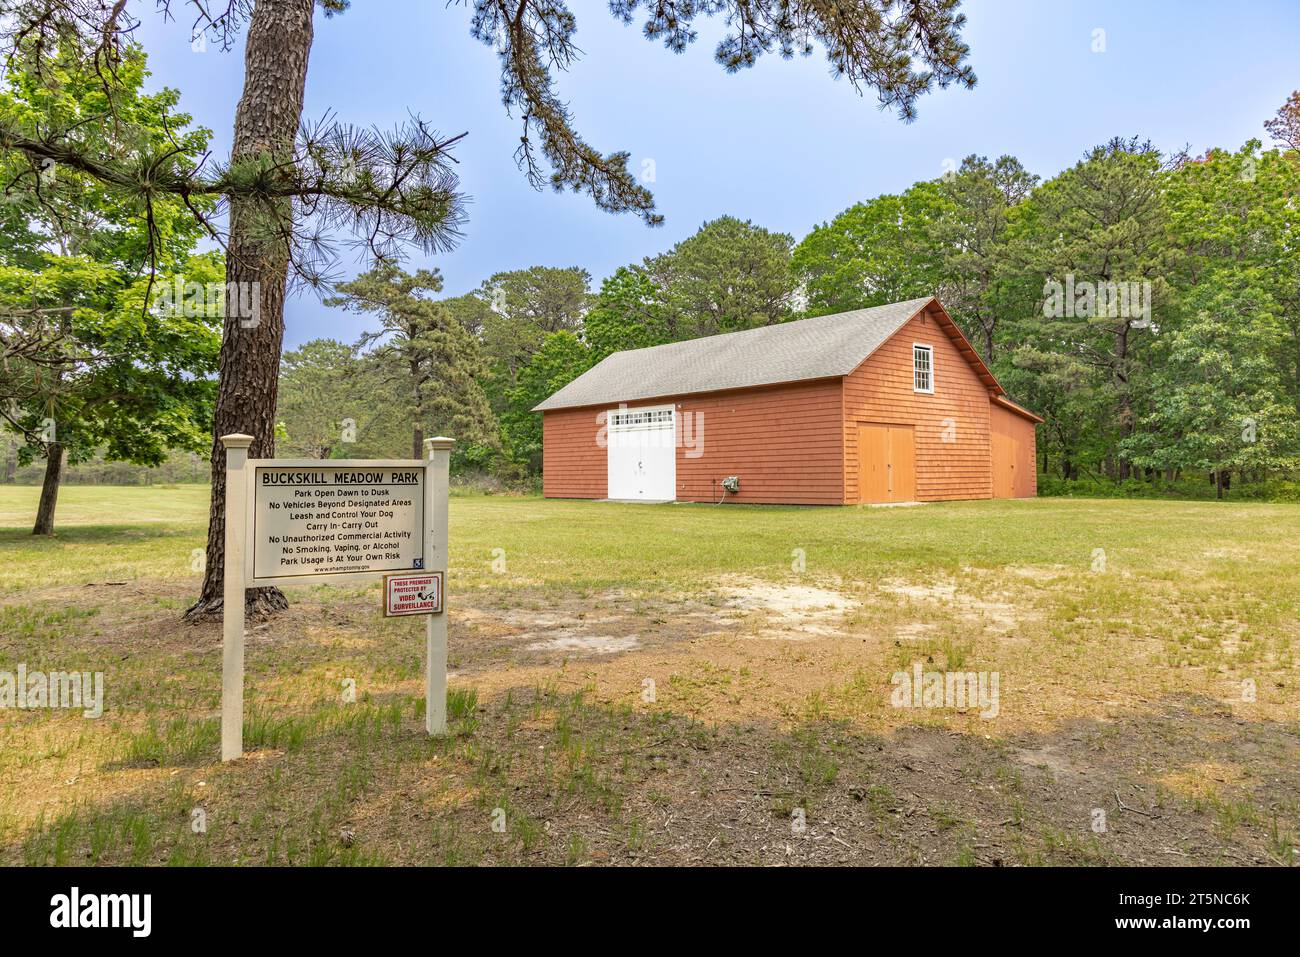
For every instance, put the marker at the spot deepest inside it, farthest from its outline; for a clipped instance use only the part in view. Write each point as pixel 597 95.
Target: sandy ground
pixel 749 722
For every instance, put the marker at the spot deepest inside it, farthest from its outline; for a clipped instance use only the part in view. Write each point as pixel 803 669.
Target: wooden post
pixel 232 602
pixel 436 487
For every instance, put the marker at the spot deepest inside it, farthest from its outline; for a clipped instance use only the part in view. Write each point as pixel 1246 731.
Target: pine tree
pixel 432 361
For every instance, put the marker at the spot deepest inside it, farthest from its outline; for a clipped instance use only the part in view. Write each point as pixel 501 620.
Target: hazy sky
pixel 783 144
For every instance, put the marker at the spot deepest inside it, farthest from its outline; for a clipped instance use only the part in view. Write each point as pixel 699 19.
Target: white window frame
pixel 624 419
pixel 929 351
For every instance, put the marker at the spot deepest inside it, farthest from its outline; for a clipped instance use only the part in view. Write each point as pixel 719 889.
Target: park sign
pixel 301 521
pixel 342 521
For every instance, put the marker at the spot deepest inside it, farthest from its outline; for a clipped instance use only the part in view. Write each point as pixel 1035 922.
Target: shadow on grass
pixel 538 776
pixel 94 535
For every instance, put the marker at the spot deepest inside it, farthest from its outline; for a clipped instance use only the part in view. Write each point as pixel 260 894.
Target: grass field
pixel 677 684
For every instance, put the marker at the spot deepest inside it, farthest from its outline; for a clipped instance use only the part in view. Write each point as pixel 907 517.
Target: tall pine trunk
pixel 1125 400
pixel 55 460
pixel 417 433
pixel 266 122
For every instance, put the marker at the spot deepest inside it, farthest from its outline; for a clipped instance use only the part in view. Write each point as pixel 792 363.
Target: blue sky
pixel 783 144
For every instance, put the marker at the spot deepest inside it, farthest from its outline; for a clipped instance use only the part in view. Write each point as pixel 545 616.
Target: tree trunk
pixel 55 462
pixel 1123 469
pixel 266 122
pixel 1218 484
pixel 417 433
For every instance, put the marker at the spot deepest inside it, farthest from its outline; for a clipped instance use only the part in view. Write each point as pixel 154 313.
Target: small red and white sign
pixel 407 594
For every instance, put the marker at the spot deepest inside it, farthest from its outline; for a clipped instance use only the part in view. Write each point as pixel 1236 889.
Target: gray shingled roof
pixel 820 348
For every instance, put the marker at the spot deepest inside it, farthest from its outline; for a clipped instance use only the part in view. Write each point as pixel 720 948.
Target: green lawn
pixel 1124 633
pixel 103 533
pixel 131 532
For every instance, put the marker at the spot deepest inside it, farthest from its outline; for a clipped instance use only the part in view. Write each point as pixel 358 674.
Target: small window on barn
pixel 922 369
pixel 656 418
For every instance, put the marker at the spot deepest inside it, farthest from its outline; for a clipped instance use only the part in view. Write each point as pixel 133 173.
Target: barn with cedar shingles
pixel 887 404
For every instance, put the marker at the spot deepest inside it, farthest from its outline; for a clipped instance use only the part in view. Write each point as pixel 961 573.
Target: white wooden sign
pixel 345 520
pixel 295 521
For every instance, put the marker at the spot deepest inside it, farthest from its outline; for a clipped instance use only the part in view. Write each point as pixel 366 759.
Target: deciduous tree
pixel 320 404
pixel 730 275
pixel 873 253
pixel 89 356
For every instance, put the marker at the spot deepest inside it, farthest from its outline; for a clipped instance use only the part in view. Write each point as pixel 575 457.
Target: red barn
pixel 887 404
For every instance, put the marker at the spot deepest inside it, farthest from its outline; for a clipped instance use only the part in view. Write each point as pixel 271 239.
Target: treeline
pixel 178 467
pixel 1147 305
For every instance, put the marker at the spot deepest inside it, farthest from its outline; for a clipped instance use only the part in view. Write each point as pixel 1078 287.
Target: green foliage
pixel 1195 487
pixel 560 360
pixel 517 311
pixel 873 253
pixel 730 275
pixel 95 359
pixel 53 204
pixel 970 238
pixel 423 366
pixel 1099 225
pixel 629 314
pixel 314 417
pixel 1224 394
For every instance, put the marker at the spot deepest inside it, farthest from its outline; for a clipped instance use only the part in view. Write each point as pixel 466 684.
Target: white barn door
pixel 642 450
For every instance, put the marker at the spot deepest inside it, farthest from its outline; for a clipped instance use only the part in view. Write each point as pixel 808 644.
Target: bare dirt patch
pixel 749 722
pixel 991 613
pixel 788 611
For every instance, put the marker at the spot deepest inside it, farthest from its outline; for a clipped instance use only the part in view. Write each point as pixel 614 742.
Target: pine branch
pixel 383 188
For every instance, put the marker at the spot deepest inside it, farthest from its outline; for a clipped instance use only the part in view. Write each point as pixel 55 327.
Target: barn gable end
pixel 950 427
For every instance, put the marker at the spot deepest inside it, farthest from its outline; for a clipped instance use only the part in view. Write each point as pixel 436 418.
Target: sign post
pixel 301 521
pixel 436 488
pixel 232 600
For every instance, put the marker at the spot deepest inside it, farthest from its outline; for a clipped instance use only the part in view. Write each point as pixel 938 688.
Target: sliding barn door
pixel 1012 442
pixel 886 463
pixel 642 462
